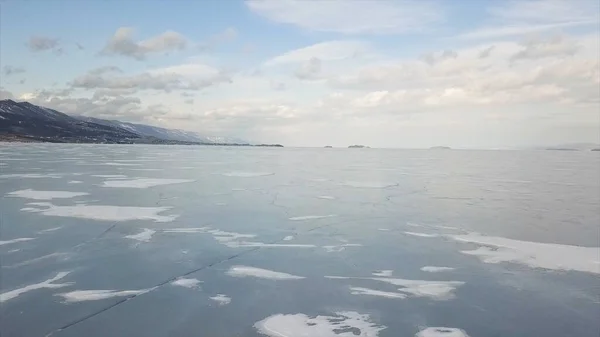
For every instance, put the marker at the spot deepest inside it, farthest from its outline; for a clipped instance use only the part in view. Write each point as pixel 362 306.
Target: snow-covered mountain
pixel 163 133
pixel 23 119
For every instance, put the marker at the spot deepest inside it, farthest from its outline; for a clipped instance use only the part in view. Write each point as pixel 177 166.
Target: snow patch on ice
pixel 221 299
pixel 326 197
pixel 437 290
pixel 45 195
pixel 9 295
pixel 383 273
pixel 311 217
pixel 288 238
pixel 143 182
pixel 433 269
pixel 75 182
pixel 247 174
pixel 339 248
pixel 186 282
pixel 441 332
pixel 373 292
pixel 104 213
pixel 351 323
pixel 245 271
pixel 15 241
pixel 144 236
pixel 533 254
pixel 96 295
pixel 369 184
pixel 422 235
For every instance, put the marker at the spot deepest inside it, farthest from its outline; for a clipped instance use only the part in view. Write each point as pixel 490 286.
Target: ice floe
pixel 221 299
pixel 383 273
pixel 9 295
pixel 15 241
pixel 95 295
pixel 103 213
pixel 533 254
pixel 373 292
pixel 422 235
pixel 343 324
pixel 45 195
pixel 433 269
pixel 247 174
pixel 311 217
pixel 437 290
pixel 186 282
pixel 143 182
pixel 144 236
pixel 245 271
pixel 441 332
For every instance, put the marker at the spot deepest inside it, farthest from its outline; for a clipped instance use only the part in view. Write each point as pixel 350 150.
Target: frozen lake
pixel 105 240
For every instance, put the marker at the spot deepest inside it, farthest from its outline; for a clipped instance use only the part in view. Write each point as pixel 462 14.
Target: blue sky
pixel 493 73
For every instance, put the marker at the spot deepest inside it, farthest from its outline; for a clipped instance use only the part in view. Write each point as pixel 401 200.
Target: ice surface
pixel 15 241
pixel 37 259
pixel 245 271
pixel 144 236
pixel 344 324
pixel 95 295
pixel 45 195
pixel 221 299
pixel 105 213
pixel 312 217
pixel 110 176
pixel 433 269
pixel 533 254
pixel 441 332
pixel 9 295
pixel 186 282
pixel 143 182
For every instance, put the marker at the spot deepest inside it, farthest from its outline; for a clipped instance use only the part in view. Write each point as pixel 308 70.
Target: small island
pixel 440 148
pixel 358 147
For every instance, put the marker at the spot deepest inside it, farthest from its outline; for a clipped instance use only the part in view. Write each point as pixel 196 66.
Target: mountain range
pixel 23 121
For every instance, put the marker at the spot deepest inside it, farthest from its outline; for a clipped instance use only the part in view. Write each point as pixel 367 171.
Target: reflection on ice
pixel 343 324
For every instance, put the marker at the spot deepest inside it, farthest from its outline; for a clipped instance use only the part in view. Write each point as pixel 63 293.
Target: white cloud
pixel 122 43
pixel 352 17
pixel 522 17
pixel 328 51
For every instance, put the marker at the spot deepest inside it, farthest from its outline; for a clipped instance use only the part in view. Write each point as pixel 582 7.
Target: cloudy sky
pixel 464 73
